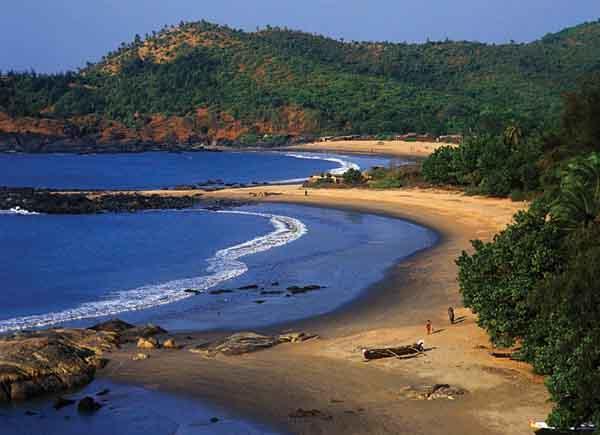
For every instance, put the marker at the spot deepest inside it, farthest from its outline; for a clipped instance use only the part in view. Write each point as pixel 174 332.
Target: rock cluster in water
pixel 55 202
pixel 52 202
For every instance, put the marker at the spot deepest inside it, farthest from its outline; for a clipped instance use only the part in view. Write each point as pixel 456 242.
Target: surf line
pixel 223 266
pixel 345 165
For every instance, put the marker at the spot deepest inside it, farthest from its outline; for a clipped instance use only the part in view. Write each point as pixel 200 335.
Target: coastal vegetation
pixel 536 284
pixel 200 82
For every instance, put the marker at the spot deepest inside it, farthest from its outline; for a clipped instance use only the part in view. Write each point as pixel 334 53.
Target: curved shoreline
pixel 328 374
pixel 224 265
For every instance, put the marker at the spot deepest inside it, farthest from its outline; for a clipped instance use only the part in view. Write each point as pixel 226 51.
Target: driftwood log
pixel 394 352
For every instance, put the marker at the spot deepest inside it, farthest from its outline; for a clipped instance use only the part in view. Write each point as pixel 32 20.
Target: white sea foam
pixel 224 265
pixel 345 165
pixel 18 211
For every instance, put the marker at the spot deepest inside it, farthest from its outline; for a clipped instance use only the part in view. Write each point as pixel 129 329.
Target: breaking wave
pixel 345 165
pixel 223 266
pixel 18 211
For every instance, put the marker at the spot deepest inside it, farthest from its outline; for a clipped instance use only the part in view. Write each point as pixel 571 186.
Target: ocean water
pixel 78 270
pixel 155 170
pixel 59 270
pixel 126 410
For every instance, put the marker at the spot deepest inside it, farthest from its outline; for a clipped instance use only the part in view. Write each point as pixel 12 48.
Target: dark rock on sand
pixel 247 342
pixel 114 325
pixel 128 333
pixel 237 344
pixel 34 363
pixel 145 331
pixel 88 405
pixel 61 402
pixel 295 337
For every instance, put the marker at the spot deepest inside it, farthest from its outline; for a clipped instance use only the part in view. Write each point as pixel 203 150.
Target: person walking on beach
pixel 451 315
pixel 429 327
pixel 305 192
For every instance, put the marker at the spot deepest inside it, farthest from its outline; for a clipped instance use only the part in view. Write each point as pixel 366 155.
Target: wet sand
pixel 328 374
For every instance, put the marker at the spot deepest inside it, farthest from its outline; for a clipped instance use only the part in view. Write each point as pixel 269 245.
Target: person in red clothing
pixel 429 327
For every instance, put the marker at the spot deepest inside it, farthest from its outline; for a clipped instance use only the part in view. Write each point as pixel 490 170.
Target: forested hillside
pixel 199 82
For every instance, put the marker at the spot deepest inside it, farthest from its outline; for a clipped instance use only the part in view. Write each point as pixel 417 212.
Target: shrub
pixel 439 167
pixel 353 176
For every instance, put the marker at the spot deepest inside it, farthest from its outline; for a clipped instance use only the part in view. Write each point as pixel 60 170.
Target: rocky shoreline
pixel 55 202
pixel 37 363
pixel 33 363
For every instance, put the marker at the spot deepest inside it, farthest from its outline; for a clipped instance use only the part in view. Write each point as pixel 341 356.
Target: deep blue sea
pixel 79 270
pixel 155 170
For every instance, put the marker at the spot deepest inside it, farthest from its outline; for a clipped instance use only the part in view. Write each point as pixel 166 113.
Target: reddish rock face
pixel 33 134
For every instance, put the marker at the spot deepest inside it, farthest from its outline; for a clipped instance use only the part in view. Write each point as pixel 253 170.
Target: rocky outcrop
pixel 51 202
pixel 33 363
pixel 170 343
pixel 128 333
pixel 247 342
pixel 148 343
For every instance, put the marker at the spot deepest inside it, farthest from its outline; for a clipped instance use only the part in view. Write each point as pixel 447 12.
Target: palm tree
pixel 578 203
pixel 513 135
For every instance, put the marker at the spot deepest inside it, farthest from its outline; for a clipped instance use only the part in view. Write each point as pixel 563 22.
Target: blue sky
pixel 56 35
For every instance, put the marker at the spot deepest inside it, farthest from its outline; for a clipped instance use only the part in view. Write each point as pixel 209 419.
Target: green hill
pixel 199 82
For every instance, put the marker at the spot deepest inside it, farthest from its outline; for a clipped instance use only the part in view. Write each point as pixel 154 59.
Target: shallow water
pixel 127 410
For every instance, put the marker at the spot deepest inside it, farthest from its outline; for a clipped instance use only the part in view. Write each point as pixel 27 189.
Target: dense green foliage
pixel 353 177
pixel 357 87
pixel 537 282
pixel 497 281
pixel 516 164
pixel 490 165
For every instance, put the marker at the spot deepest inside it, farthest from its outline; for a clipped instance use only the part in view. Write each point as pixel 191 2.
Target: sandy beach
pixel 395 148
pixel 329 375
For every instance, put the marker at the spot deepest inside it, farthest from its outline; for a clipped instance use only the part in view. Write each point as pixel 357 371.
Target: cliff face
pixel 151 132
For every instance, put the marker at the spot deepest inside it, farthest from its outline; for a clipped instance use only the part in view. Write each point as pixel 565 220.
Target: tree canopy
pixel 281 81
